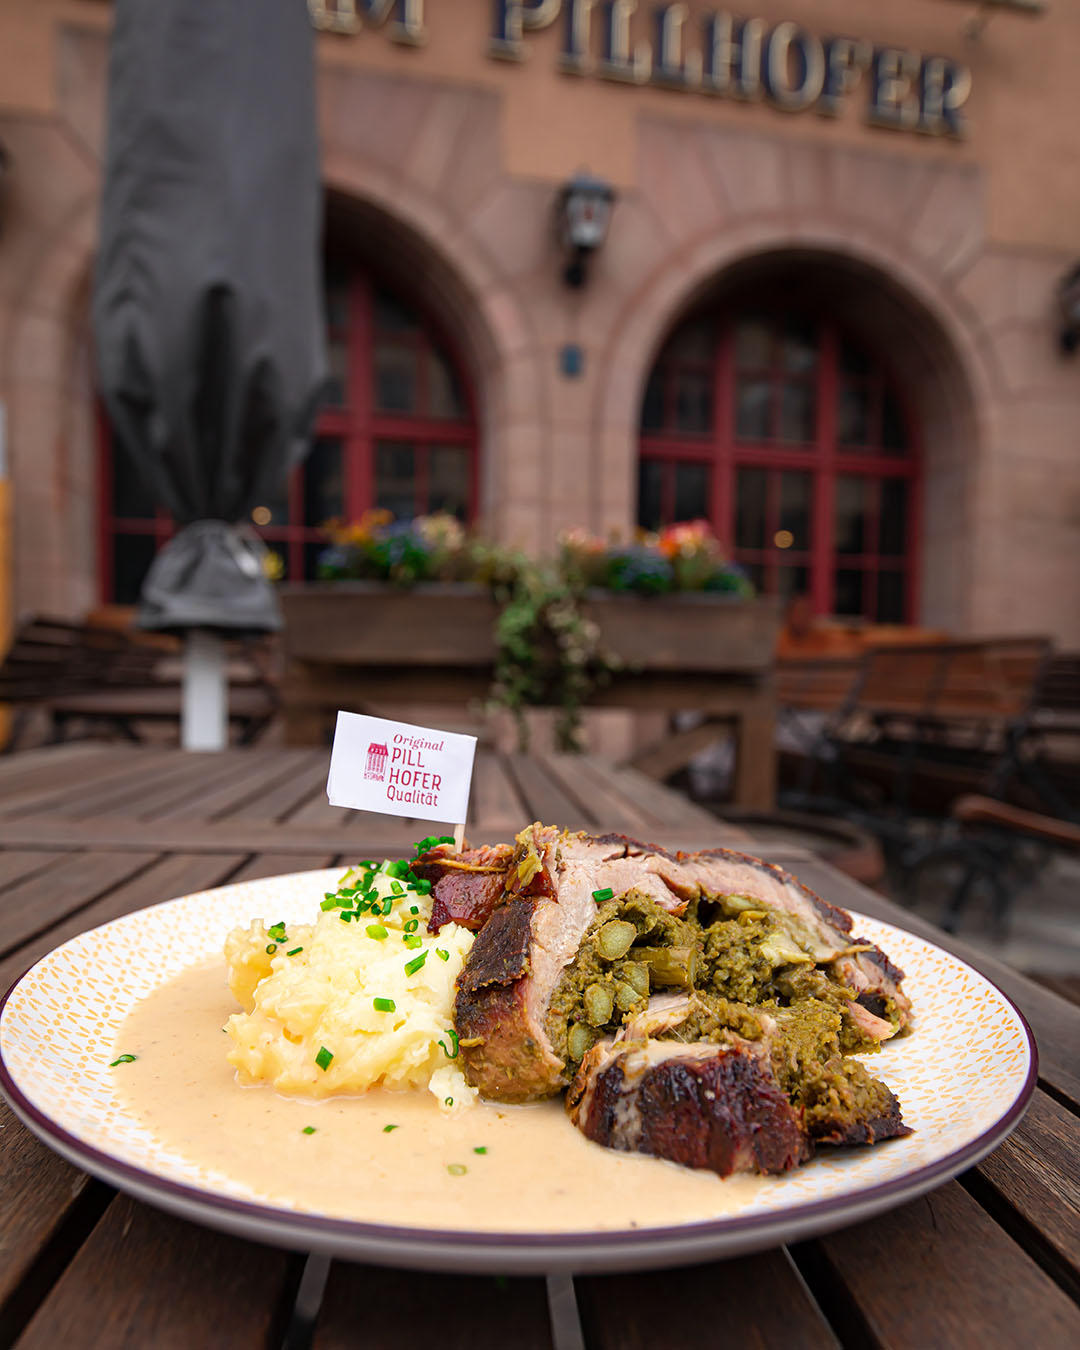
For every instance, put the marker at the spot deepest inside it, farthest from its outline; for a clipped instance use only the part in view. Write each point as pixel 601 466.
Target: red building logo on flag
pixel 376 761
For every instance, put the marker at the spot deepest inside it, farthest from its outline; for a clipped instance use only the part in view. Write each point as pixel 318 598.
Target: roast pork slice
pixel 702 1105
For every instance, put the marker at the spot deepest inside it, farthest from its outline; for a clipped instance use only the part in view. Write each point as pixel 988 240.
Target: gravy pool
pixel 537 1173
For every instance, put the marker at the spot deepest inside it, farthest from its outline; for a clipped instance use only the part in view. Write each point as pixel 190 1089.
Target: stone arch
pixel 936 349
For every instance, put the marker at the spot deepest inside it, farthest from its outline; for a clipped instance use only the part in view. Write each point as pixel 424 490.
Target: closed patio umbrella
pixel 207 306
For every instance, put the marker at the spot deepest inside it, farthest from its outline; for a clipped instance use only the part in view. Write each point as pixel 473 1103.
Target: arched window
pixel 789 437
pixel 397 430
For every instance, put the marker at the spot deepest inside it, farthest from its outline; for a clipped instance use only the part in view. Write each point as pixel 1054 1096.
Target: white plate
pixel 963 1079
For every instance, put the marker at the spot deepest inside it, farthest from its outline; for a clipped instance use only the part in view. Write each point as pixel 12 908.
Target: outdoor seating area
pixel 539 675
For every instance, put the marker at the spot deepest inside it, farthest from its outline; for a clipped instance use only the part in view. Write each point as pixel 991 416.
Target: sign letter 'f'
pixel 513 18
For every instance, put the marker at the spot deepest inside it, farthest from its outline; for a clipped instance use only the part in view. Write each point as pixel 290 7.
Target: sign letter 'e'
pixel 512 18
pixel 894 95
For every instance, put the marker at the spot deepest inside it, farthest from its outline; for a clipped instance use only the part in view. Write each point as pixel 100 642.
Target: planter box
pixel 688 634
pixel 368 624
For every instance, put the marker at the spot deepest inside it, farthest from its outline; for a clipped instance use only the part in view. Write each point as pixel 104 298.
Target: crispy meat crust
pixel 724 1113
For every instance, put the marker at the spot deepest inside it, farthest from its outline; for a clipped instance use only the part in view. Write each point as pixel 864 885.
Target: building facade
pixel 826 315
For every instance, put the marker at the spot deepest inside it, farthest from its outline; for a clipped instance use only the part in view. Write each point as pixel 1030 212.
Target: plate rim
pixel 391 1244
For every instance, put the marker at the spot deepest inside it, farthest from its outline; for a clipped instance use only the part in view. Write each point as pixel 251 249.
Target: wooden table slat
pixel 750 1301
pixel 166 879
pixel 16 864
pixel 171 1285
pixel 33 905
pixel 274 864
pixel 172 785
pixel 306 778
pixel 939 1271
pixel 390 1309
pixel 72 784
pixel 1035 1170
pixel 54 765
pixel 494 801
pixel 660 804
pixel 239 783
pixel 546 799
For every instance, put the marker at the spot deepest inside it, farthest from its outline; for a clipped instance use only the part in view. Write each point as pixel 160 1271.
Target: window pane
pixel 890 597
pixel 797 413
pixel 312 553
pixel 324 494
pixel 692 342
pixel 853 415
pixel 752 410
pixel 798 347
pixel 130 499
pixel 448 480
pixel 693 399
pixel 795 490
pixel 755 573
pixel 851 512
pixel 750 489
pixel 652 408
pixel 393 315
pixel 793 581
pixel 753 344
pixel 335 393
pixel 892 541
pixel 395 477
pixel 853 359
pixel 395 378
pixel 691 491
pixel 650 489
pixel 445 398
pixel 849 591
pixel 893 430
pixel 132 556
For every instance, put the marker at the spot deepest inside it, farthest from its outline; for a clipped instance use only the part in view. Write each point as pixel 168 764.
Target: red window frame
pixel 356 422
pixel 823 457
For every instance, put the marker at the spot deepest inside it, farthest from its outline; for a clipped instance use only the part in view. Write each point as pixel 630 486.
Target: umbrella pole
pixel 204 721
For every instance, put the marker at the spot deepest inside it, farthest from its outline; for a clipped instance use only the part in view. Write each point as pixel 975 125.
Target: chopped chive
pixel 371 866
pixel 605 894
pixel 456 1169
pixel 384 1005
pixel 294 951
pixel 387 1128
pixel 277 932
pixel 397 888
pixel 411 967
pixel 329 903
pixel 411 925
pixel 376 931
pixel 448 1101
pixel 481 1149
pixel 271 948
pixel 308 1129
pixel 323 1058
pixel 451 1054
pixel 423 886
pixel 442 953
pixel 387 905
pixel 412 940
pixel 128 1059
pixel 445 839
pixel 413 909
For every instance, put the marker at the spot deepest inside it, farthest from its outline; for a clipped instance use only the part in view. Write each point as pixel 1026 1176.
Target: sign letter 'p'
pixel 513 18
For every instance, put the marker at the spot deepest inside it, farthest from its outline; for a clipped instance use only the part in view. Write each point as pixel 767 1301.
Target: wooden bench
pixel 958 716
pixel 82 675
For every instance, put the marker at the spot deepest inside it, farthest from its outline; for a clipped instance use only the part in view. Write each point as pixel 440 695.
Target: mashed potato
pixel 330 1007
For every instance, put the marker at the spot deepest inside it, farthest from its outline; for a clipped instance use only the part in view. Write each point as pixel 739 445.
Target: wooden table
pixel 88 833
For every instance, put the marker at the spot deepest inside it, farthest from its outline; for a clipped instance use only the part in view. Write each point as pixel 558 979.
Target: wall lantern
pixel 1069 307
pixel 583 214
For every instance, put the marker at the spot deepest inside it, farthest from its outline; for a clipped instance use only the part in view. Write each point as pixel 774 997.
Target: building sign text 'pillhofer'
pixel 399 769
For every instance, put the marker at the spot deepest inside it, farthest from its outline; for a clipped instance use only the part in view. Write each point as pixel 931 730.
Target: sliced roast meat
pixel 707 1106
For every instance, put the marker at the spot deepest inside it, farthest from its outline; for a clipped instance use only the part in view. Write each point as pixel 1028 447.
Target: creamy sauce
pixel 538 1174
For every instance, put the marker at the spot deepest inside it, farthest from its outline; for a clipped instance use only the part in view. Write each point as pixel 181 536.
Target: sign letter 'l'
pixel 399 769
